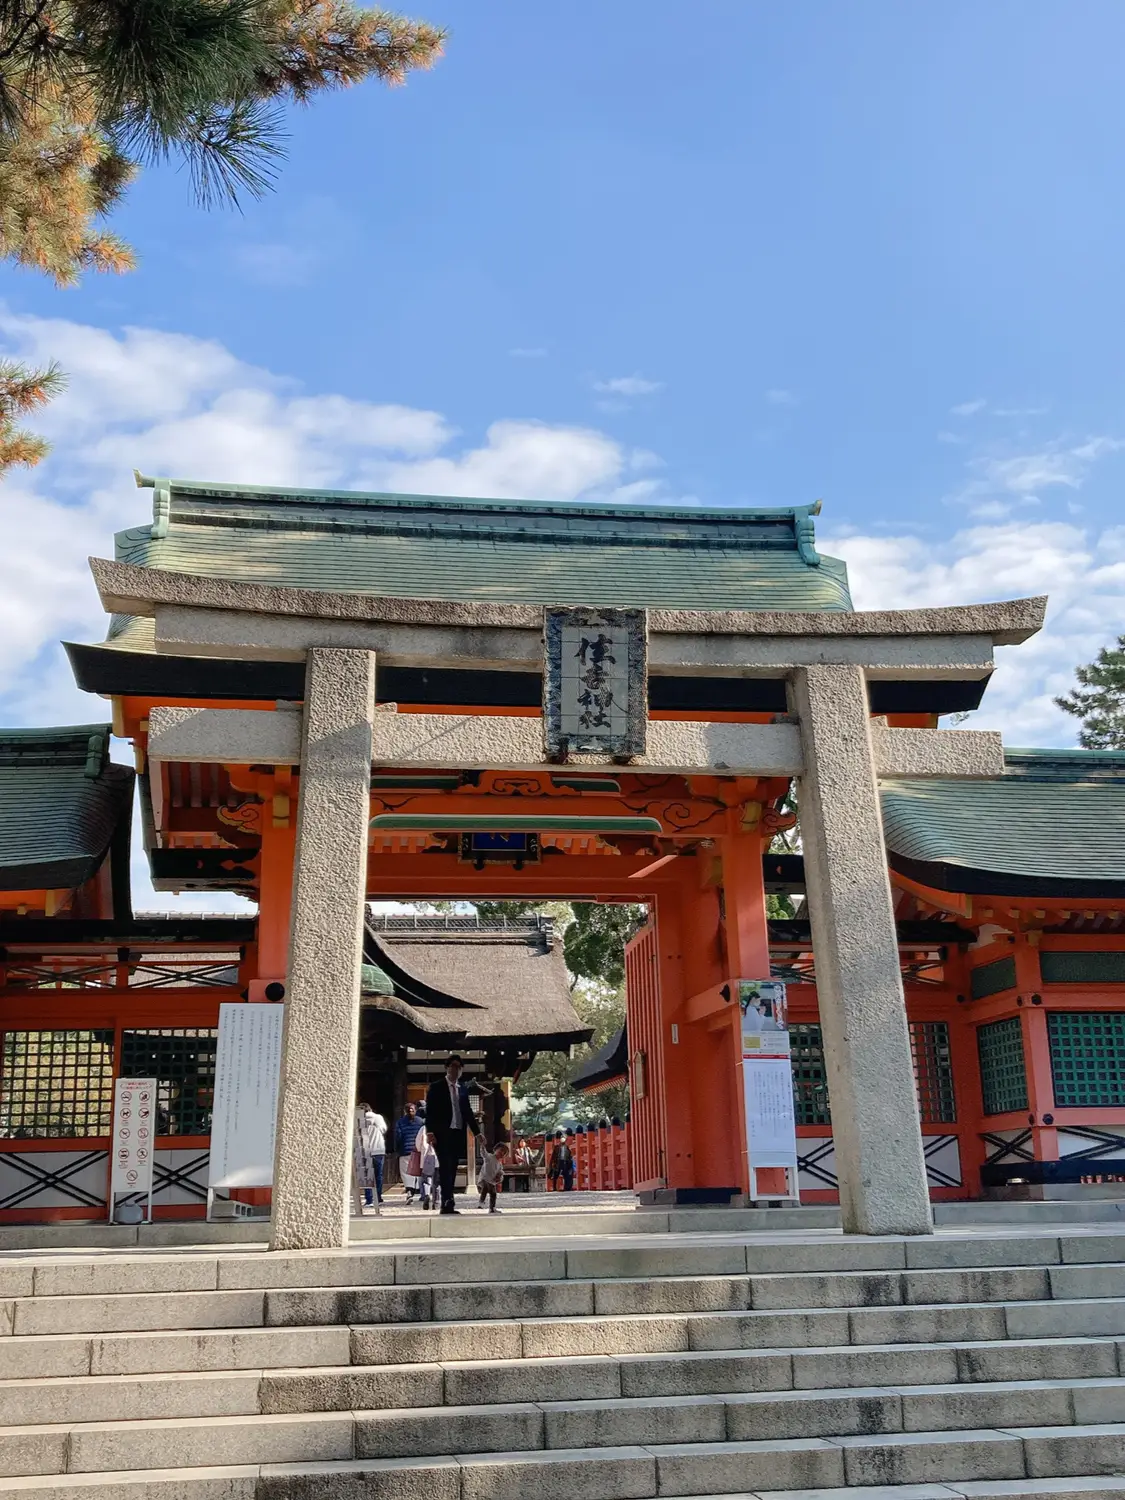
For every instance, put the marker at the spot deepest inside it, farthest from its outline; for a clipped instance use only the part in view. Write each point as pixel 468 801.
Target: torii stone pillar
pixel 875 1125
pixel 312 1158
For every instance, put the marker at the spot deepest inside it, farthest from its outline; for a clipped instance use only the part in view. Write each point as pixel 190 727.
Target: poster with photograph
pixel 765 1018
pixel 767 1081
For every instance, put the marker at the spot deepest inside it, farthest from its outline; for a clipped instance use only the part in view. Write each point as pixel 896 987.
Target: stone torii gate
pixel 829 741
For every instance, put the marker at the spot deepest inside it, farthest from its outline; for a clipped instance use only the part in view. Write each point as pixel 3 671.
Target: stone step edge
pixel 596 1317
pixel 901 1435
pixel 240 1482
pixel 795 1394
pixel 586 1319
pixel 745 1272
pixel 396 1468
pixel 621 1357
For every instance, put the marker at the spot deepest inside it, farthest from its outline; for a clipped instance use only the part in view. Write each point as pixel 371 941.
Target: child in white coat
pixel 490 1177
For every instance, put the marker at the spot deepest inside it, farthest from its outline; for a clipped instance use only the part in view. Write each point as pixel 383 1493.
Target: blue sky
pixel 731 253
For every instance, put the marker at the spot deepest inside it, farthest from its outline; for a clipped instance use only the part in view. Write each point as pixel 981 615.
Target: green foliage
pixel 201 79
pixel 780 908
pixel 92 89
pixel 544 1093
pixel 541 1093
pixel 21 391
pixel 607 1104
pixel 595 941
pixel 1099 699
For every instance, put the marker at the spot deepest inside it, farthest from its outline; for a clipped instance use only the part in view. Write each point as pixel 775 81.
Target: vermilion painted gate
pixel 648 1117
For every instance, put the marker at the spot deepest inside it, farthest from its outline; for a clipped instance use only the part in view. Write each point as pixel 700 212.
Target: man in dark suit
pixel 448 1115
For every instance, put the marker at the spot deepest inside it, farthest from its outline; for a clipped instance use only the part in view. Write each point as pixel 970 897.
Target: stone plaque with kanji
pixel 595 683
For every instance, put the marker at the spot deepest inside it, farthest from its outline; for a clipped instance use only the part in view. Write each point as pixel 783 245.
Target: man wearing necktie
pixel 448 1114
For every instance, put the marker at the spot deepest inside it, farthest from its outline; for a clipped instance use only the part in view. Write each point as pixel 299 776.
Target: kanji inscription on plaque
pixel 595 683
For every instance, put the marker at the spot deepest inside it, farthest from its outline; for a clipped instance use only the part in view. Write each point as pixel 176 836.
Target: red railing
pixel 602 1159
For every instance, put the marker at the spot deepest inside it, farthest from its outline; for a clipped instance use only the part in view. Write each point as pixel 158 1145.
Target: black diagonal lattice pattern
pixel 42 1174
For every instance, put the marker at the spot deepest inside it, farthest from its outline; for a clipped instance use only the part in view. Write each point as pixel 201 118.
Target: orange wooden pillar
pixel 672 1074
pixel 648 1121
pixel 275 898
pixel 714 932
pixel 967 1093
pixel 1036 1049
pixel 747 956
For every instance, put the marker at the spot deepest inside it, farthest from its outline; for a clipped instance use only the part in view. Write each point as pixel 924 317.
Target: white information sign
pixel 767 1084
pixel 247 1073
pixel 770 1125
pixel 134 1136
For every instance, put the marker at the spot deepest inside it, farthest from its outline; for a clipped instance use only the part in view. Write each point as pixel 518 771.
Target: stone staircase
pixel 583 1368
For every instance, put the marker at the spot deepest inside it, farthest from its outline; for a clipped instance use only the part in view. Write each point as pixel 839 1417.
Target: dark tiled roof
pixel 1055 816
pixel 61 803
pixel 423 546
pixel 610 1064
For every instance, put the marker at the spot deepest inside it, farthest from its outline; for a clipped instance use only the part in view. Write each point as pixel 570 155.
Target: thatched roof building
pixel 456 983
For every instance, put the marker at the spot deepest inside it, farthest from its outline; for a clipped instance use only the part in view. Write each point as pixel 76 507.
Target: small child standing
pixel 427 1166
pixel 491 1176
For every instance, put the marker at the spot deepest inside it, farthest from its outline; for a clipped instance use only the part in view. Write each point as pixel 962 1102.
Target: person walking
pixel 564 1161
pixel 371 1151
pixel 406 1132
pixel 490 1176
pixel 448 1115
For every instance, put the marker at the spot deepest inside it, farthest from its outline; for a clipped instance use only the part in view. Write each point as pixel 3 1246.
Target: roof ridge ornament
pixel 161 503
pixel 805 533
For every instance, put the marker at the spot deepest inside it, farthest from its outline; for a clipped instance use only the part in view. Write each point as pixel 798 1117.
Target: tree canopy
pixel 92 90
pixel 594 943
pixel 1099 699
pixel 544 1091
pixel 594 938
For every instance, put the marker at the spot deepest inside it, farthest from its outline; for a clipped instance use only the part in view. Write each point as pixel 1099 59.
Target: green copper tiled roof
pixel 62 801
pixel 1053 815
pixel 499 550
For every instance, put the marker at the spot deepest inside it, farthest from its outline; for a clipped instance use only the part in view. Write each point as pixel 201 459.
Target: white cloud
pixel 777 397
pixel 518 459
pixel 629 386
pixel 171 404
pixel 968 408
pixel 1083 574
pixel 997 481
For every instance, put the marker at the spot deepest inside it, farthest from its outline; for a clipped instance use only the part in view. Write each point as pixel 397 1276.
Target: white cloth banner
pixel 247 1077
pixel 134 1135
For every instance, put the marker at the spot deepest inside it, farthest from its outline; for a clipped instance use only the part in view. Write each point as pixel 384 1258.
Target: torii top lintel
pixel 127 589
